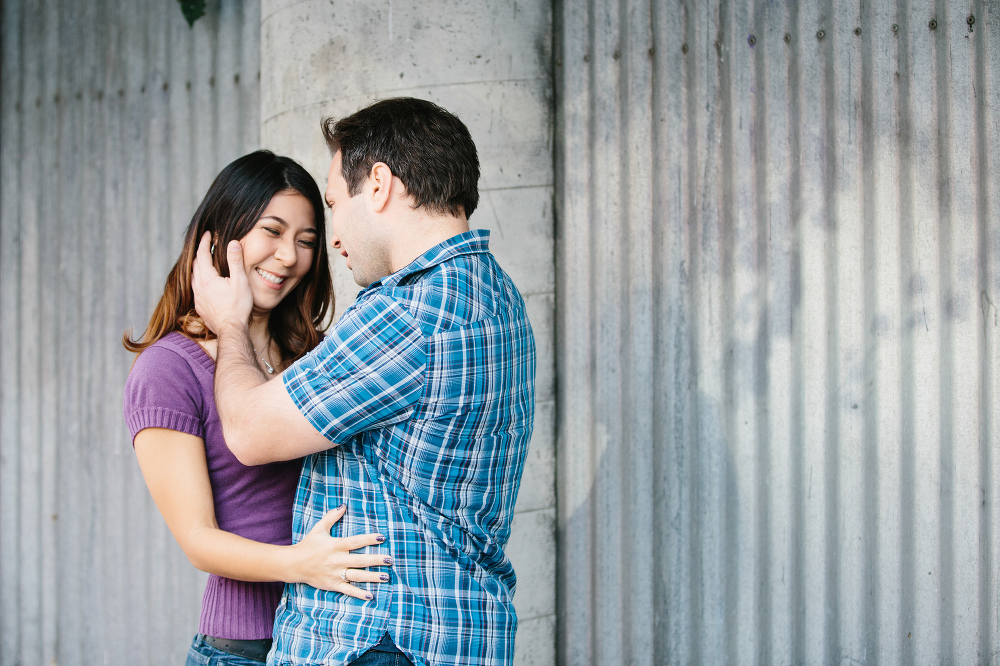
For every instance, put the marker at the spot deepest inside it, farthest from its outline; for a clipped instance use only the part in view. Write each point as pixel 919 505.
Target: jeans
pixel 376 658
pixel 203 654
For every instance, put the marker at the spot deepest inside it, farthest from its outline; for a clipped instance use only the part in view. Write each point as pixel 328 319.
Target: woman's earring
pixel 211 250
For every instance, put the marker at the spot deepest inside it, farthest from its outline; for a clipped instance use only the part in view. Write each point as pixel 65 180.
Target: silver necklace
pixel 270 369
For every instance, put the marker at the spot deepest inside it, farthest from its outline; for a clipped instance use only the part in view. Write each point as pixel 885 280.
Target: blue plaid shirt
pixel 426 384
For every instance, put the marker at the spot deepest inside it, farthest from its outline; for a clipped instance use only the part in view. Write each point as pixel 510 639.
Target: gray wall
pixel 777 351
pixel 489 62
pixel 777 267
pixel 115 118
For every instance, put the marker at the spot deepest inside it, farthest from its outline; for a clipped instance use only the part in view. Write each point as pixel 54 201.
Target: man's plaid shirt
pixel 427 385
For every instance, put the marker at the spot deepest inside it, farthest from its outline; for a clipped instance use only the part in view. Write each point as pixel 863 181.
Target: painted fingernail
pixel 380 538
pixel 368 597
pixel 385 578
pixel 388 560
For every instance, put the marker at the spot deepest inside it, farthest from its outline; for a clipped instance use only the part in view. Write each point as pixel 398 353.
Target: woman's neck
pixel 260 336
pixel 259 333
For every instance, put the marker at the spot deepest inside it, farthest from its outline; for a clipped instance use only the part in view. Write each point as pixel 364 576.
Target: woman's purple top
pixel 170 386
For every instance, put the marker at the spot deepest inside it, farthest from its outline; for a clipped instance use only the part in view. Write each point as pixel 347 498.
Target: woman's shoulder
pixel 174 362
pixel 172 349
pixel 168 387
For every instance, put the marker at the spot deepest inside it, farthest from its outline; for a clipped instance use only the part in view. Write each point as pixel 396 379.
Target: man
pixel 416 410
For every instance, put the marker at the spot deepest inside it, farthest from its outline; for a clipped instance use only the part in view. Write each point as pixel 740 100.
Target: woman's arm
pixel 176 473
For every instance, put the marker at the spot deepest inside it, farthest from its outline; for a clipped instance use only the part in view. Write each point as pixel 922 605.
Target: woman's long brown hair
pixel 231 208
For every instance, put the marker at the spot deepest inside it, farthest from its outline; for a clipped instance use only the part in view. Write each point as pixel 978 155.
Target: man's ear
pixel 380 182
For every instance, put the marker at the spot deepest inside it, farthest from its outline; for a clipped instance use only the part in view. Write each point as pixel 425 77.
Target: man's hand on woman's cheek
pixel 220 301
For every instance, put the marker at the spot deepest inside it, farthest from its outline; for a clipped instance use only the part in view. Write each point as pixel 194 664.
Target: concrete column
pixel 489 62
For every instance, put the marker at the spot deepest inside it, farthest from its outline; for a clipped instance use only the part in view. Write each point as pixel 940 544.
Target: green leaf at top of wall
pixel 192 10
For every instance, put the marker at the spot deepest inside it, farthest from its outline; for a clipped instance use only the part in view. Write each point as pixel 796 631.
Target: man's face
pixel 354 232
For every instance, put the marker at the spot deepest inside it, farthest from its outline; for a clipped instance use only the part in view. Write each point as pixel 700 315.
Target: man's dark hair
pixel 426 147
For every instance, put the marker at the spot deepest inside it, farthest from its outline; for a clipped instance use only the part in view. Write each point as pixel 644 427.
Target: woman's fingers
pixel 329 563
pixel 359 569
pixel 354 576
pixel 367 576
pixel 330 519
pixel 344 571
pixel 357 593
pixel 362 540
pixel 350 578
pixel 365 561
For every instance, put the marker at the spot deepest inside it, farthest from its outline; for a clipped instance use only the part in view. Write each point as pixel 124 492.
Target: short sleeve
pixel 162 391
pixel 367 373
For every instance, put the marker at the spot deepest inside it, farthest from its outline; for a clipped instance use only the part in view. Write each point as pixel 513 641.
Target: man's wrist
pixel 225 329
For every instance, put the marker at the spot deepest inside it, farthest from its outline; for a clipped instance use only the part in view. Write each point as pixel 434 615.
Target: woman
pixel 233 521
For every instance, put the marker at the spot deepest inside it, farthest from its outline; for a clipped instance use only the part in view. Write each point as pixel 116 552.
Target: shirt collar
pixel 475 241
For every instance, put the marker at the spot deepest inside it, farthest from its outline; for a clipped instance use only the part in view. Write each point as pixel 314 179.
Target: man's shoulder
pixel 376 318
pixel 458 292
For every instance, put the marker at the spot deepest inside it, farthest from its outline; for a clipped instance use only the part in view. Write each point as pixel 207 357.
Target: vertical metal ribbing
pixel 985 276
pixel 907 327
pixel 11 111
pixel 96 115
pixel 821 380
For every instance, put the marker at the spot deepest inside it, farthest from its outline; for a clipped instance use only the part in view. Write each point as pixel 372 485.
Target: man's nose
pixel 334 242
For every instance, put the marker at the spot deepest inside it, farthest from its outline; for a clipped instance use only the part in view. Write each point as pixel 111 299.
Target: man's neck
pixel 413 240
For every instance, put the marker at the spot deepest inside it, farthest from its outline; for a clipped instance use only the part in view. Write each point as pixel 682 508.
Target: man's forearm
pixel 236 375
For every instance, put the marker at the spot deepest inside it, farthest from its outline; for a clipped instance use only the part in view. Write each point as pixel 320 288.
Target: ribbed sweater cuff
pixel 161 417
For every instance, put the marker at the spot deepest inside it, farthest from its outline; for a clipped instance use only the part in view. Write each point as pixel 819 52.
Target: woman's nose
pixel 285 252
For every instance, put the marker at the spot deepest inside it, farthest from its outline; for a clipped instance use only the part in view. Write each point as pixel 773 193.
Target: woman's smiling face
pixel 279 250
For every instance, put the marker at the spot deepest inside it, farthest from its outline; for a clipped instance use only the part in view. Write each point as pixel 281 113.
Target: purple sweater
pixel 170 386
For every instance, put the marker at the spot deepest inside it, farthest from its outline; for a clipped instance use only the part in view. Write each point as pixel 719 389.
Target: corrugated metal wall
pixel 778 252
pixel 115 118
pixel 778 284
